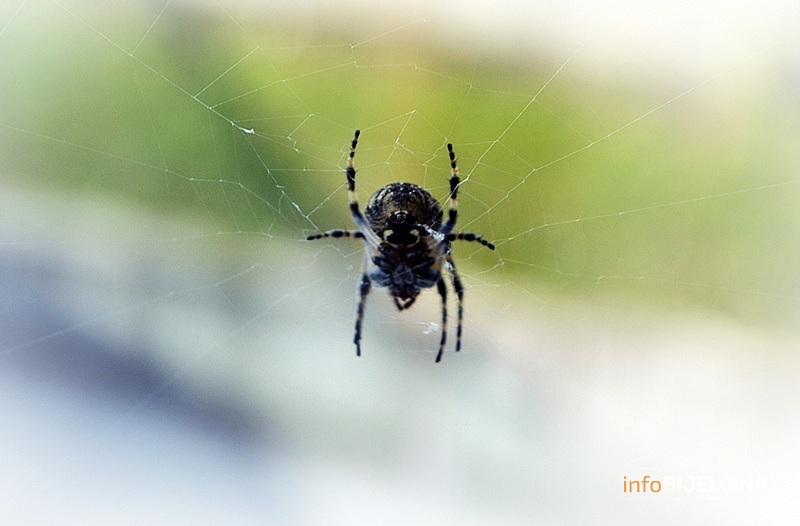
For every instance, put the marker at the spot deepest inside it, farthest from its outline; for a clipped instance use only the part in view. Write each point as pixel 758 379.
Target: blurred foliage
pixel 580 185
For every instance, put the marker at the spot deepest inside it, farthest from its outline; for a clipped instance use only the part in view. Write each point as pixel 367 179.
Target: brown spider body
pixel 408 258
pixel 407 242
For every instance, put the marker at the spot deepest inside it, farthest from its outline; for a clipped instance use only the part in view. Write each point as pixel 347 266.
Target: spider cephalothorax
pixel 406 243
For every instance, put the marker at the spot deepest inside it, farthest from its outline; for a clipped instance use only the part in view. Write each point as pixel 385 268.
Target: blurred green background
pixel 172 350
pixel 694 202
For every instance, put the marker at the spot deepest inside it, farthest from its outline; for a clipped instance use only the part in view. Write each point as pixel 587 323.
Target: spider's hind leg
pixel 442 288
pixel 363 291
pixel 459 288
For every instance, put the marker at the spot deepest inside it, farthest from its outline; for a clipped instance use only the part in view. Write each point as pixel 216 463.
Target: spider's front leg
pixel 364 231
pixel 449 225
pixel 352 197
pixel 452 216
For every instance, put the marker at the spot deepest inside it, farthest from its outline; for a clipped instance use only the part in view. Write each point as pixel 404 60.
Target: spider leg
pixel 363 290
pixel 337 234
pixel 459 288
pixel 447 227
pixel 352 198
pixel 442 288
pixel 454 182
pixel 469 236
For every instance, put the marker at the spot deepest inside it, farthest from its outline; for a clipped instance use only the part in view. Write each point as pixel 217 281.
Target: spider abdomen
pixel 401 213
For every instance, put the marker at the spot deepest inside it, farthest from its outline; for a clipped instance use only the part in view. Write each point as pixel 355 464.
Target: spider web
pixel 163 162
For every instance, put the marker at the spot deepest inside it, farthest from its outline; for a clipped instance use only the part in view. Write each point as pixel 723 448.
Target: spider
pixel 406 244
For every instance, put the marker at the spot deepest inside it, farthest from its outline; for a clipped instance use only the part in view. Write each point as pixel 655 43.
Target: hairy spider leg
pixel 442 288
pixel 337 233
pixel 459 288
pixel 352 197
pixel 367 234
pixel 363 291
pixel 364 231
pixel 364 228
pixel 469 236
pixel 447 228
pixel 454 181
